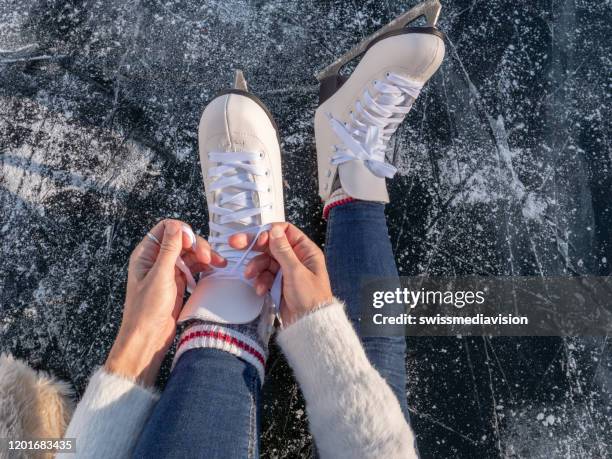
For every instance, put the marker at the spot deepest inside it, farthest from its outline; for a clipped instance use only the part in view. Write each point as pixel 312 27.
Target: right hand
pixel 305 280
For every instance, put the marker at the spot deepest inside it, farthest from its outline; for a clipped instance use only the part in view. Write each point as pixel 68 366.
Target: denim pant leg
pixel 357 245
pixel 209 409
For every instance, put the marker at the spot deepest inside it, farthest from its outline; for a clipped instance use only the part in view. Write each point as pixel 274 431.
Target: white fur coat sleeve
pixel 109 417
pixel 352 411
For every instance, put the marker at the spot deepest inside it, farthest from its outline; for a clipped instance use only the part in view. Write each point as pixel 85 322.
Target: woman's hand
pixel 305 279
pixel 154 298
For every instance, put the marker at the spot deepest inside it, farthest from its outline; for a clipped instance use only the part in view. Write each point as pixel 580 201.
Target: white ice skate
pixel 358 114
pixel 241 166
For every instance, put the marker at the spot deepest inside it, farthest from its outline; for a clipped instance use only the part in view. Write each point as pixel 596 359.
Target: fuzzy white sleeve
pixel 109 417
pixel 352 411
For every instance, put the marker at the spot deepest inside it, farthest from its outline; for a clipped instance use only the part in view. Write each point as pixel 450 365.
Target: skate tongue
pixel 225 301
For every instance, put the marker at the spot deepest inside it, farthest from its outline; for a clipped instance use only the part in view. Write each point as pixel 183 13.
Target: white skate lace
pixel 373 121
pixel 235 211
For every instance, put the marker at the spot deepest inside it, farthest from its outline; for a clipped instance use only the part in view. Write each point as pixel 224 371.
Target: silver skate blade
pixel 240 81
pixel 430 9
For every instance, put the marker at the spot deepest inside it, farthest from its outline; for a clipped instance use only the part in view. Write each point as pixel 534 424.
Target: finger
pixel 189 237
pixel 158 231
pixel 200 268
pixel 217 260
pixel 181 284
pixel 242 241
pixel 145 254
pixel 293 233
pixel 281 249
pixel 195 265
pixel 264 282
pixel 180 294
pixel 171 245
pixel 201 251
pixel 295 236
pixel 259 264
pixel 306 250
pixel 154 237
pixel 148 247
pixel 205 254
pixel 191 260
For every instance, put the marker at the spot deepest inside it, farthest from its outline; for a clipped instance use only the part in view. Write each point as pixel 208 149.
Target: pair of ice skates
pixel 241 161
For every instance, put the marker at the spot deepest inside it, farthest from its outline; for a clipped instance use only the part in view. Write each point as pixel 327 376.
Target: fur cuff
pixel 352 410
pixel 32 404
pixel 324 332
pixel 110 416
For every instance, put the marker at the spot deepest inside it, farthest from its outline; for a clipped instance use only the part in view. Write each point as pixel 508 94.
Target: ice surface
pixel 505 169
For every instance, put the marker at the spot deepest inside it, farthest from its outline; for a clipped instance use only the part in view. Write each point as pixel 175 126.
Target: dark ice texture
pixel 505 168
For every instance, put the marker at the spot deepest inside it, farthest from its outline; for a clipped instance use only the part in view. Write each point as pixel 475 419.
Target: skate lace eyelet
pixel 261 155
pixel 268 172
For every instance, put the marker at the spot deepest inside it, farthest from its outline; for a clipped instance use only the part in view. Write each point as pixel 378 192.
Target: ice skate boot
pixel 358 114
pixel 241 167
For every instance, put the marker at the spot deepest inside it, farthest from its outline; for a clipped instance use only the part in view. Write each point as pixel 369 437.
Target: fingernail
pixel 189 232
pixel 276 232
pixel 172 229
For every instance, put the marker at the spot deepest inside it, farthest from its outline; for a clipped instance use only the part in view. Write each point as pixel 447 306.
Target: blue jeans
pixel 357 246
pixel 209 409
pixel 210 406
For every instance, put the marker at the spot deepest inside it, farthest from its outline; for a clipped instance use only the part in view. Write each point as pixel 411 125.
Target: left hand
pixel 154 299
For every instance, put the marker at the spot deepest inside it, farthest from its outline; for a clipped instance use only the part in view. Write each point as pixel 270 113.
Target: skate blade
pixel 240 81
pixel 430 9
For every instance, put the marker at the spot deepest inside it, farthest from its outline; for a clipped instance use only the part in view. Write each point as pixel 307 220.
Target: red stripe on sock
pixel 218 335
pixel 331 205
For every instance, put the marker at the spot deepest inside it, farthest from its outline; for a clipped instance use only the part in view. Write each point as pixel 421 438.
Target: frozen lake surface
pixel 505 168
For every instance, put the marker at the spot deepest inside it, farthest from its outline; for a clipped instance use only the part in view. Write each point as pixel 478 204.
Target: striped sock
pixel 337 198
pixel 231 338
